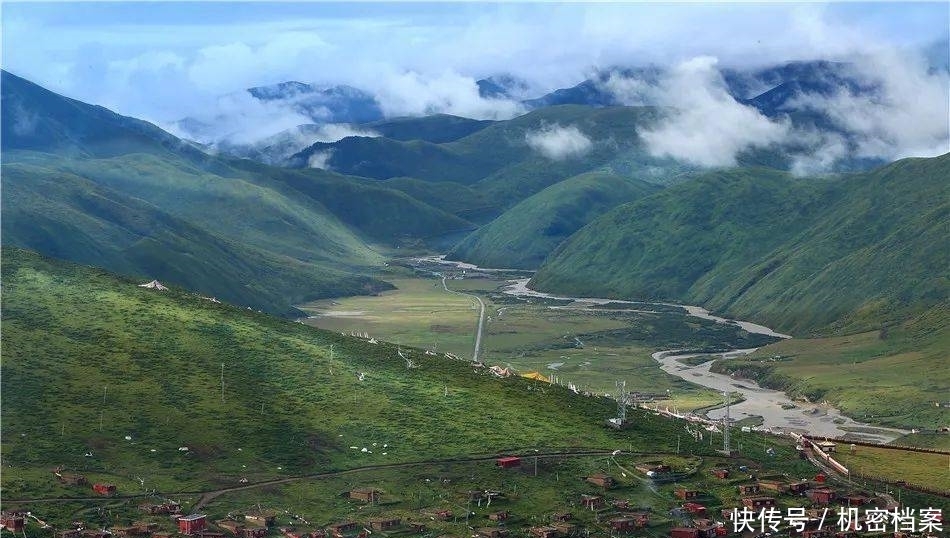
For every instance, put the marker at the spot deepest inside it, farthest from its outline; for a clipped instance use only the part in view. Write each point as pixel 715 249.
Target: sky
pixel 163 61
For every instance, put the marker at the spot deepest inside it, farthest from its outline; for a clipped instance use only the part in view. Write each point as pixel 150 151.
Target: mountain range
pixel 569 190
pixel 778 92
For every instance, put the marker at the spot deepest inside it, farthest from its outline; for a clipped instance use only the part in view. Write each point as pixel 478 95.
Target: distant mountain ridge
pixel 88 185
pixel 777 92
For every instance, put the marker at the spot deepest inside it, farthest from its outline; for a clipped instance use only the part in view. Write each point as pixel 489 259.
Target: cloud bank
pixel 707 126
pixel 559 143
pixel 893 106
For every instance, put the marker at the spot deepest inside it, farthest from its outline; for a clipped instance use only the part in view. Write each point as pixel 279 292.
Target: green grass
pixel 840 255
pixel 889 381
pixel 524 235
pixel 532 337
pixel 80 344
pixel 82 348
pixel 919 468
pixel 419 313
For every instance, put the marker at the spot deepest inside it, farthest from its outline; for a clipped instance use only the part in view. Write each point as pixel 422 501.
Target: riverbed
pixel 804 417
pixel 799 417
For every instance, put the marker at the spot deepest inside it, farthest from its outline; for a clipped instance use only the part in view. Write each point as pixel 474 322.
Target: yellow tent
pixel 537 376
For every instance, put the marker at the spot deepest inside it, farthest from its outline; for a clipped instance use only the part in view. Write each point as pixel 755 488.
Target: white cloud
pixel 320 159
pixel 706 126
pixel 558 143
pixel 901 110
pixel 239 118
pixel 906 113
pixel 332 132
pixel 422 59
pixel 411 93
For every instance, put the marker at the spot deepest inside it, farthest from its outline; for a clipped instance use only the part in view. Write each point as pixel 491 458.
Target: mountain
pixel 437 128
pixel 802 255
pixel 231 121
pixel 123 193
pixel 72 217
pixel 335 104
pixel 596 90
pixel 39 120
pixel 501 87
pixel 589 92
pixel 524 235
pixel 497 160
pixel 287 401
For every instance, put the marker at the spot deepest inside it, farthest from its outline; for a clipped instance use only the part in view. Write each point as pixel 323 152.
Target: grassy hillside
pixel 438 128
pixel 90 358
pixel 460 200
pixel 74 218
pixel 524 235
pixel 498 156
pixel 802 255
pixel 884 376
pixel 136 199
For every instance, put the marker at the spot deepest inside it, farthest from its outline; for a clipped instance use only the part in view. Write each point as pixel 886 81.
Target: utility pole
pixel 725 427
pixel 222 381
pixel 103 409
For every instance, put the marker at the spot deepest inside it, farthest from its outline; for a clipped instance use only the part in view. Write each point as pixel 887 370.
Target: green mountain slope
pixel 885 376
pixel 460 200
pixel 90 358
pixel 313 229
pixel 498 158
pixel 71 217
pixel 524 235
pixel 800 254
pixel 437 128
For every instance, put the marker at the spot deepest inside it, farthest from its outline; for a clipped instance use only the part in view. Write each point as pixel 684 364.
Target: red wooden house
pixel 192 524
pixel 821 495
pixel 684 532
pixel 104 489
pixel 385 523
pixel 757 503
pixel 686 494
pixel 544 532
pixel 695 508
pixel 601 480
pixel 508 462
pixel 623 524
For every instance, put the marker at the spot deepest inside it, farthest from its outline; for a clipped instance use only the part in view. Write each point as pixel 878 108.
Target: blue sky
pixel 163 61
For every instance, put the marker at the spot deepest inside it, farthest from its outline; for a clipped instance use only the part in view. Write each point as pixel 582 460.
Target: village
pixel 715 497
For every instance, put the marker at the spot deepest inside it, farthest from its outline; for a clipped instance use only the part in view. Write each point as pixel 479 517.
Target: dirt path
pixel 209 495
pixel 481 318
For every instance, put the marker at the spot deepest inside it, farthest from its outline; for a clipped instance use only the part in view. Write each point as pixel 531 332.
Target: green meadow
pixel 891 377
pixel 591 348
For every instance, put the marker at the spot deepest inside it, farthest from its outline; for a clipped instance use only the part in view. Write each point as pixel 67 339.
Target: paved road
pixel 481 318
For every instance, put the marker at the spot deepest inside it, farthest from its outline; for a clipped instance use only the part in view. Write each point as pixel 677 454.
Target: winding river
pixel 778 412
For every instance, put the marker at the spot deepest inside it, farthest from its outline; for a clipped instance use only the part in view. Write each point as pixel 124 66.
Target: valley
pixel 515 270
pixel 566 339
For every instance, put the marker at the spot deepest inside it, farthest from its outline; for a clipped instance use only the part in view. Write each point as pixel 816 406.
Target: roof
pixel 510 458
pixel 537 376
pixel 192 517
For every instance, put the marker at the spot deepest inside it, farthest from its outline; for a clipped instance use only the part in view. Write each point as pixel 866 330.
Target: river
pixel 815 419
